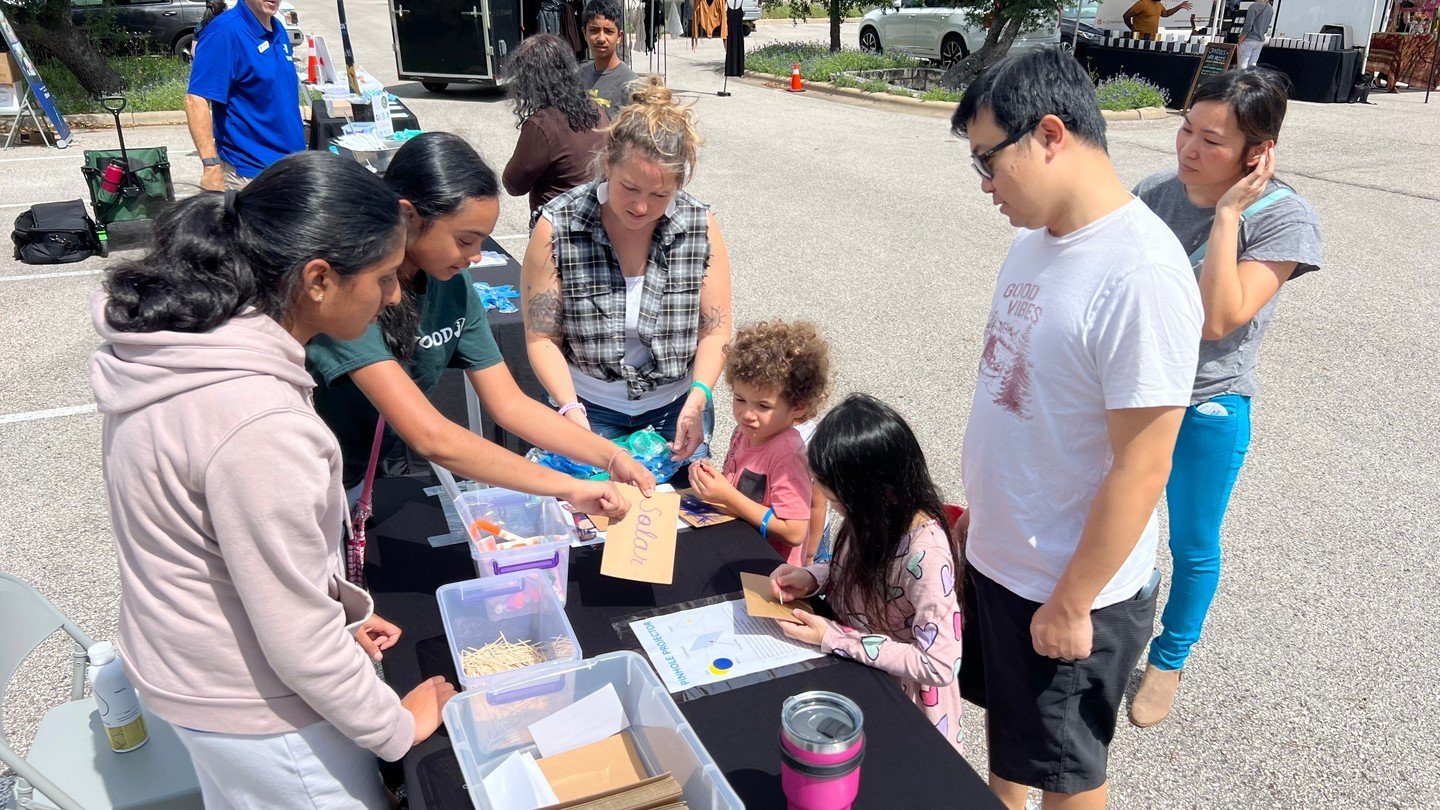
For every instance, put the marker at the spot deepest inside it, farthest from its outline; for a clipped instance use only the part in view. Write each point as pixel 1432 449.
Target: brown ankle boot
pixel 1156 696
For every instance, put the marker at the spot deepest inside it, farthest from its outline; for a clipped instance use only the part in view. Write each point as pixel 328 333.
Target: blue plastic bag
pixel 646 446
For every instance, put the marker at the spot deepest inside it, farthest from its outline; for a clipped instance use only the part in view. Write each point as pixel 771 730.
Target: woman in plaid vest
pixel 626 285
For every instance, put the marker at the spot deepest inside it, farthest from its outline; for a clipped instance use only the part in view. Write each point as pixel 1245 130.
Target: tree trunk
pixel 835 18
pixel 74 50
pixel 998 40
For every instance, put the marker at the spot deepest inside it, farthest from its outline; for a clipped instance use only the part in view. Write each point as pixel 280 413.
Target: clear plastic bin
pixel 527 516
pixel 489 723
pixel 521 607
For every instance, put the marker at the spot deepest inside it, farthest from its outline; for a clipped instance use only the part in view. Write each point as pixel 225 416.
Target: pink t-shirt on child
pixel 774 475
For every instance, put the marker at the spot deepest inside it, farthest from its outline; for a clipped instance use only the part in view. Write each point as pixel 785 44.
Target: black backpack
pixel 55 233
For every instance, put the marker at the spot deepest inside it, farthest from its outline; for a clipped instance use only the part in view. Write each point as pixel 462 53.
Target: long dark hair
pixel 866 455
pixel 1258 97
pixel 215 254
pixel 436 172
pixel 544 74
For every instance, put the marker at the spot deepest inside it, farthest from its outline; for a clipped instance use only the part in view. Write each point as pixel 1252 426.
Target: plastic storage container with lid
pixel 518 607
pixel 529 516
pixel 489 723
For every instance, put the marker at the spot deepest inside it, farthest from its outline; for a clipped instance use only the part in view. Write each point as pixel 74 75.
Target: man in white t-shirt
pixel 1087 365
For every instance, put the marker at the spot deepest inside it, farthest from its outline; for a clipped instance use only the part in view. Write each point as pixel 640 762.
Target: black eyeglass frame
pixel 981 162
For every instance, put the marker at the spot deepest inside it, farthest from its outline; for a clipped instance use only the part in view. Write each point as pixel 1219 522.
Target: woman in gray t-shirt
pixel 1247 234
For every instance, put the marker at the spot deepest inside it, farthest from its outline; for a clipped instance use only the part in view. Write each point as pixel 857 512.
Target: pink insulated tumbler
pixel 822 741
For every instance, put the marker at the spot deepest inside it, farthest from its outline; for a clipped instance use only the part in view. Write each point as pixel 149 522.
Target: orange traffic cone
pixel 313 66
pixel 797 85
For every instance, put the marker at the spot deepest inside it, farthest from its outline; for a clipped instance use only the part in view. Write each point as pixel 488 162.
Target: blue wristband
pixel 709 395
pixel 765 523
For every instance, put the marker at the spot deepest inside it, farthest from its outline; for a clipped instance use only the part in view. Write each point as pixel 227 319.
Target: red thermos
pixel 110 182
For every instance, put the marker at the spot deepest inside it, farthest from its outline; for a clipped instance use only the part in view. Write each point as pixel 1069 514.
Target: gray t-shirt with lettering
pixel 609 88
pixel 1287 230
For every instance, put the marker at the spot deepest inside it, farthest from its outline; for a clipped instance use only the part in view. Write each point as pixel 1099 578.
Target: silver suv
pixel 936 29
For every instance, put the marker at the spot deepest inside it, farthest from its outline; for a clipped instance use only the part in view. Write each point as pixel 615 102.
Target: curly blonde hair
pixel 655 127
pixel 791 358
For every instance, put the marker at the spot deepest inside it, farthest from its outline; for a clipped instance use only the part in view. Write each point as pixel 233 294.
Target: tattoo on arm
pixel 711 321
pixel 545 315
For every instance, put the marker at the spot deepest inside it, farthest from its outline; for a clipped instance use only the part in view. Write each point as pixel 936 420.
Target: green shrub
pixel 156 83
pixel 941 94
pixel 1130 93
pixel 817 63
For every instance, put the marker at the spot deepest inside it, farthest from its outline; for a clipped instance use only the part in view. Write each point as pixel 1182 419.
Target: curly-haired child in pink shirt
pixel 779 373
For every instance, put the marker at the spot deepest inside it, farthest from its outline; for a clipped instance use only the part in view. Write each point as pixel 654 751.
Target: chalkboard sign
pixel 37 84
pixel 1217 59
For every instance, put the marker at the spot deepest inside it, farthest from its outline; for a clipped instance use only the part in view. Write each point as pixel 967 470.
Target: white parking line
pixel 47 157
pixel 36 276
pixel 511 236
pixel 30 416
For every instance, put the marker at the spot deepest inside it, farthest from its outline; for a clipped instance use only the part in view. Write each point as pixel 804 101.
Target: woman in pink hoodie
pixel 236 623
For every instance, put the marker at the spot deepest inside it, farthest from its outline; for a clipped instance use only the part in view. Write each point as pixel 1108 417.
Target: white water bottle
pixel 119 705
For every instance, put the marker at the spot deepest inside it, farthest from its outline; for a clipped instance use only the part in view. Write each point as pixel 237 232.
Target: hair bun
pixel 651 90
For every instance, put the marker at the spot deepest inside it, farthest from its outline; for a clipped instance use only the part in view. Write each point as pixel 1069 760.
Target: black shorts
pixel 1049 722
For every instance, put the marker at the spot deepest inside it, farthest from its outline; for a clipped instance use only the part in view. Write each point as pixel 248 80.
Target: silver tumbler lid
pixel 821 722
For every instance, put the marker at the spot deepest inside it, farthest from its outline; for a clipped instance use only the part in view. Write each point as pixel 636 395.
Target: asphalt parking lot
pixel 1314 685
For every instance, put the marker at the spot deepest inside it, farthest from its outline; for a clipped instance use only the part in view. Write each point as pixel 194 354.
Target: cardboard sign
pixel 1216 59
pixel 641 547
pixel 760 601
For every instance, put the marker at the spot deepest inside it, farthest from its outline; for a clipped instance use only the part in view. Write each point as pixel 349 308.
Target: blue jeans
pixel 614 425
pixel 1208 455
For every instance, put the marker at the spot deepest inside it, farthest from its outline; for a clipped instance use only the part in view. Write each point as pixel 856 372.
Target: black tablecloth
pixel 325 128
pixel 907 764
pixel 1324 76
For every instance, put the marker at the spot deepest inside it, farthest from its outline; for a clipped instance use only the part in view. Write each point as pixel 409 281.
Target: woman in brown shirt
pixel 558 120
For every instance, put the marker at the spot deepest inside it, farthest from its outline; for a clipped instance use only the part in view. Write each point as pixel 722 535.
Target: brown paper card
pixel 602 523
pixel 697 513
pixel 596 768
pixel 760 601
pixel 641 546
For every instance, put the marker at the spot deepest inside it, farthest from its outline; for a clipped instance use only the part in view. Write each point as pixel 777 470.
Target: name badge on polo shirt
pixel 264 46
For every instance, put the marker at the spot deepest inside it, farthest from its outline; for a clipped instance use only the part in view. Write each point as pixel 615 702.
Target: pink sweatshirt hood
pixel 136 369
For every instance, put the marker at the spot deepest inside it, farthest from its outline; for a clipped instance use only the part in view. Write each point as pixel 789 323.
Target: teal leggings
pixel 1208 455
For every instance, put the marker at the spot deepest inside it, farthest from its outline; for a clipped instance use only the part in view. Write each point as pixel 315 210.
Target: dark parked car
pixel 165 25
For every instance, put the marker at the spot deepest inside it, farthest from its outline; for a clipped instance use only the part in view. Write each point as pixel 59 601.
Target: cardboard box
pixel 9 71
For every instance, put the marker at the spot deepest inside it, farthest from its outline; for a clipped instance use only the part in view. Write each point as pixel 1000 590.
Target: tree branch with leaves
pixel 1004 20
pixel 45 25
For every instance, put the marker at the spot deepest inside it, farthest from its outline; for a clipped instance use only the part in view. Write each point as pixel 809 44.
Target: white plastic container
pixel 519 607
pixel 115 696
pixel 490 722
pixel 527 516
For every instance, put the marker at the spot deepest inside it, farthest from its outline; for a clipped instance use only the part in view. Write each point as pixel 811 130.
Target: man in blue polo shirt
pixel 243 105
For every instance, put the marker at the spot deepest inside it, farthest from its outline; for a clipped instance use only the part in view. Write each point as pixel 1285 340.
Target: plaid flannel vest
pixel 593 290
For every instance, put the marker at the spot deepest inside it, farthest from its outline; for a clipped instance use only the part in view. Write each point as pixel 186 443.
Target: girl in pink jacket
pixel 236 624
pixel 892 581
